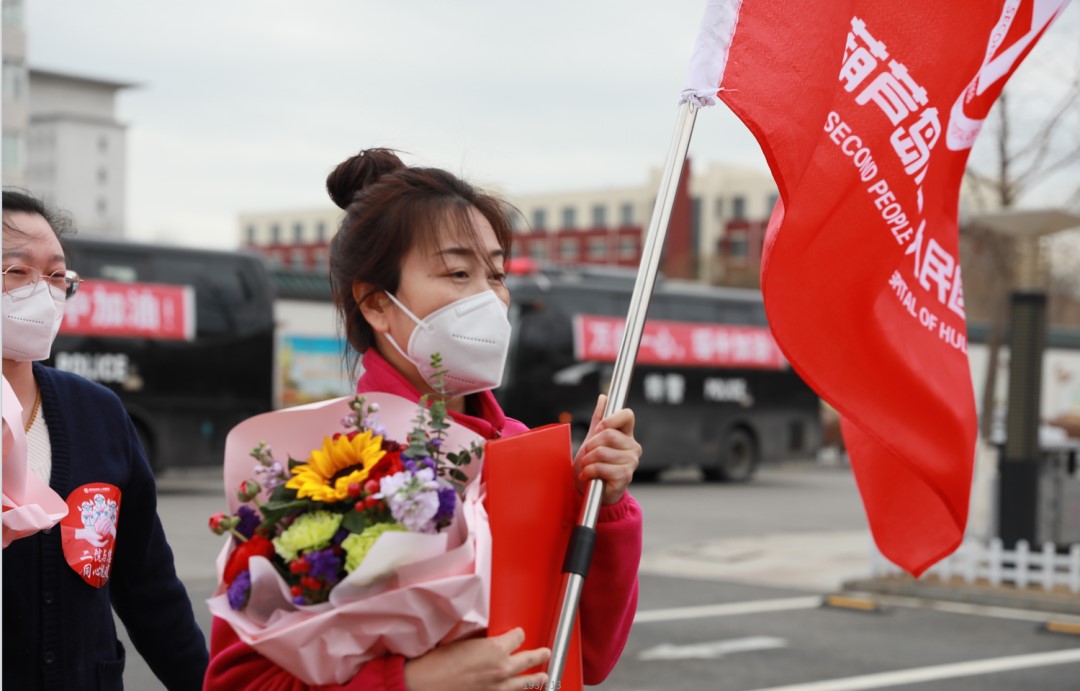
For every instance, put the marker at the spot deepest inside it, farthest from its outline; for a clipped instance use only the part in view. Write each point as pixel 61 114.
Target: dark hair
pixel 22 201
pixel 389 209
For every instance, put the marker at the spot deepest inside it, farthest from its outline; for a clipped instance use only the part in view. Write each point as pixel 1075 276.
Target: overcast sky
pixel 246 105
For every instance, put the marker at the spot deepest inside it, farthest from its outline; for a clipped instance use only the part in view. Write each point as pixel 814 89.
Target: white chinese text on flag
pixel 866 111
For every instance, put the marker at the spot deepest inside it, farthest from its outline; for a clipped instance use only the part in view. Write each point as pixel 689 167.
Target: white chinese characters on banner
pixel 131 310
pixel 685 344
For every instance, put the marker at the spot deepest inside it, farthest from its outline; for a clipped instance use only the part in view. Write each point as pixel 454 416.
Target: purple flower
pixel 412 498
pixel 271 474
pixel 447 503
pixel 408 464
pixel 249 521
pixel 299 600
pixel 324 564
pixel 240 590
pixel 340 536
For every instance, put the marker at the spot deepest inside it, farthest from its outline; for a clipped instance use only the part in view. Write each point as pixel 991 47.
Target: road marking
pixel 949 671
pixel 847 602
pixel 728 610
pixel 972 609
pixel 711 650
pixel 1068 627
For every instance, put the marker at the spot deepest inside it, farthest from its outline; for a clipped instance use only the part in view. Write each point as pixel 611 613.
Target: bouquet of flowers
pixel 364 546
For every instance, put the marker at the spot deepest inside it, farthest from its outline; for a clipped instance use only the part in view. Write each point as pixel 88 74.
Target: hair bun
pixel 359 171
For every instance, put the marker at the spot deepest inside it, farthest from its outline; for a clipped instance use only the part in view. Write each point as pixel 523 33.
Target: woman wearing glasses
pixel 62 584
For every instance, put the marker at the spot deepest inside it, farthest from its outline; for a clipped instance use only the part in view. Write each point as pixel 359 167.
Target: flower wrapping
pixel 29 505
pixel 411 592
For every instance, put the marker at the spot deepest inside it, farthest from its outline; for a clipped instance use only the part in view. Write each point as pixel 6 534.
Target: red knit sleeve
pixel 235 666
pixel 610 594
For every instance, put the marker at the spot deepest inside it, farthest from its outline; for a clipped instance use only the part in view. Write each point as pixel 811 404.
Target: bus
pixel 710 387
pixel 185 337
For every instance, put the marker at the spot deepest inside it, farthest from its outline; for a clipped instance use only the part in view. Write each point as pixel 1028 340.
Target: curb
pixel 993 596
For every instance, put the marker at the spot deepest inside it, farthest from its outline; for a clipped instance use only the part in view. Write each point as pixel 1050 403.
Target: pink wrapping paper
pixel 412 592
pixel 29 505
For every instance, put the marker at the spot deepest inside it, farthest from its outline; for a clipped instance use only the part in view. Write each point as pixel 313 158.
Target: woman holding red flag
pixel 416 268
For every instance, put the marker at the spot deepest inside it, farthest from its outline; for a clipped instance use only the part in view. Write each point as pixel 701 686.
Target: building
pixel 77 149
pixel 297 239
pixel 715 234
pixel 16 108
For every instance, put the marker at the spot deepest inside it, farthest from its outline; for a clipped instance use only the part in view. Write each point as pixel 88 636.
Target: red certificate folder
pixel 532 506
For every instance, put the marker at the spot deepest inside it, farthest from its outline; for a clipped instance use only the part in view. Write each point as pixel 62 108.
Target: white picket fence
pixel 979 562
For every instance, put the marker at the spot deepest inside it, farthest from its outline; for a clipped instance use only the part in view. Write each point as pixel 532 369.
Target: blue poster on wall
pixel 311 368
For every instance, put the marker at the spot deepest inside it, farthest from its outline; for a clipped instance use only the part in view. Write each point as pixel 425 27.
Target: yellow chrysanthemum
pixel 310 531
pixel 357 545
pixel 340 462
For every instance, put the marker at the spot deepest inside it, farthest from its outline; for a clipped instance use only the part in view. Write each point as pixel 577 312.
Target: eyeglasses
pixel 23 281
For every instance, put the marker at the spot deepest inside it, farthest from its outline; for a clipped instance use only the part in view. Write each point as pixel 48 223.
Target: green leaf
pixel 354 522
pixel 458 475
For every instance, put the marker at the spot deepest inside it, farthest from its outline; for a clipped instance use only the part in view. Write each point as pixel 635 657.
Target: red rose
pixel 238 560
pixel 387 465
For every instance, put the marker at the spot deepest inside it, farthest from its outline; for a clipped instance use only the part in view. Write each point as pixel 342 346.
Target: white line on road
pixel 712 649
pixel 728 609
pixel 948 671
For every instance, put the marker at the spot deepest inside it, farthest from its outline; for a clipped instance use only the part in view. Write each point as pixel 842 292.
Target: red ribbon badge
pixel 89 531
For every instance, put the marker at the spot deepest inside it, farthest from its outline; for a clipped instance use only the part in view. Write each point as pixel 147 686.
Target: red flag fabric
pixel 866 111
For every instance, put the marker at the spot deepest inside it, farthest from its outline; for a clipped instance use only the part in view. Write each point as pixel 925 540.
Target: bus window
pixel 710 386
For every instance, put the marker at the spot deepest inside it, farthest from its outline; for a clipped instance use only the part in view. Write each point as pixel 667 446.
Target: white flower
pixel 413 498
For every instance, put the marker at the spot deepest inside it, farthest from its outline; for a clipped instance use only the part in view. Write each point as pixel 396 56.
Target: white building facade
pixel 296 239
pixel 717 226
pixel 15 98
pixel 722 198
pixel 77 149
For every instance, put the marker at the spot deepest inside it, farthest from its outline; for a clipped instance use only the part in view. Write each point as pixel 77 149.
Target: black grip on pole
pixel 579 551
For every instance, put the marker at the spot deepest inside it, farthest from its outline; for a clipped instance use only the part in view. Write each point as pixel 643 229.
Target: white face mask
pixel 30 324
pixel 471 335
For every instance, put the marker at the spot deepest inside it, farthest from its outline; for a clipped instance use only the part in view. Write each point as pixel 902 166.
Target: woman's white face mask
pixel 30 324
pixel 472 338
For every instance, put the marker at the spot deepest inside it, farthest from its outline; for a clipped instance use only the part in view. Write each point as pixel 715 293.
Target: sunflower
pixel 340 462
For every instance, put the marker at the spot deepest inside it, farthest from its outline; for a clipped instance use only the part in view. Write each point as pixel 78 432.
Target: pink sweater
pixel 608 601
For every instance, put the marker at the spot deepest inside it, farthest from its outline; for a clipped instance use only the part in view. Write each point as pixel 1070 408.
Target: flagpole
pixel 579 551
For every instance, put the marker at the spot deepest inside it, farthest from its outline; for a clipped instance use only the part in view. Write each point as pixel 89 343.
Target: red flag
pixel 866 111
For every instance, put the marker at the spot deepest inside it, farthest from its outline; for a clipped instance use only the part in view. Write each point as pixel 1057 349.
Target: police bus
pixel 184 336
pixel 710 387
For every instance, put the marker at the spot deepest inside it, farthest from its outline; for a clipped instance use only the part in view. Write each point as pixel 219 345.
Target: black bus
pixel 710 387
pixel 184 336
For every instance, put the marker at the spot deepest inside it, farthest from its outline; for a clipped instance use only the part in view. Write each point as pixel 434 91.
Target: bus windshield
pixel 183 336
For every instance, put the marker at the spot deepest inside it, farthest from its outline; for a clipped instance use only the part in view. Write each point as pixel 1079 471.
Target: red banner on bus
pixel 131 310
pixel 685 344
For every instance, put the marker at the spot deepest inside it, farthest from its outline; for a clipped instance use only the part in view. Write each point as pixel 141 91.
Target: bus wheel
pixel 738 458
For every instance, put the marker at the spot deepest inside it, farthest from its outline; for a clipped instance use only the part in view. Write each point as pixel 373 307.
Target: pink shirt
pixel 608 600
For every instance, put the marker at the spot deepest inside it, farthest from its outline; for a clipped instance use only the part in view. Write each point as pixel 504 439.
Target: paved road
pixel 732 578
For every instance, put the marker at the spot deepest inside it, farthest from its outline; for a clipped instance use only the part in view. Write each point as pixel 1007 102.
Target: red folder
pixel 532 506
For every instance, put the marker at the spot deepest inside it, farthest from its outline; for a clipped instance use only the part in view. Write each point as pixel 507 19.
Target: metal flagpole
pixel 579 552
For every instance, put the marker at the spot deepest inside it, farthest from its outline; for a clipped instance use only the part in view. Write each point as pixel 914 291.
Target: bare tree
pixel 1034 142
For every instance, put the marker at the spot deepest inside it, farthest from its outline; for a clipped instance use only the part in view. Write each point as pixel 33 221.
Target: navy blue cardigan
pixel 58 630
